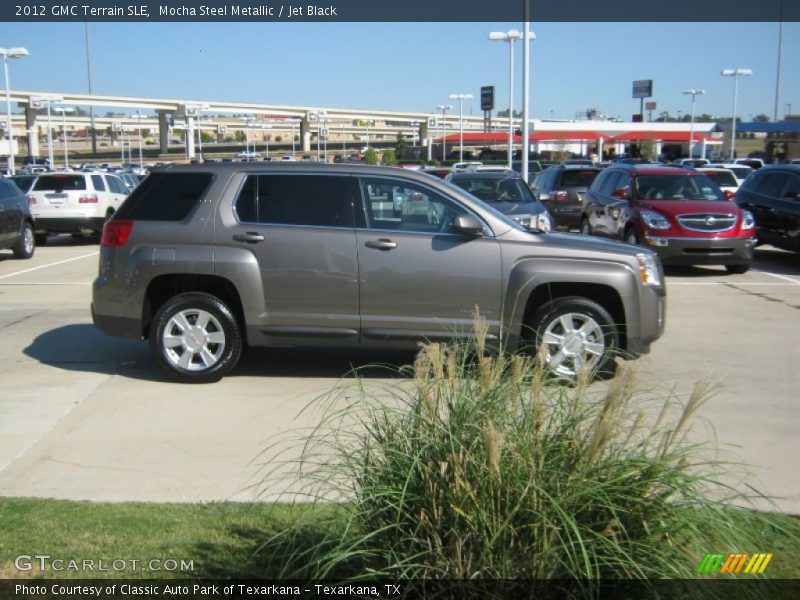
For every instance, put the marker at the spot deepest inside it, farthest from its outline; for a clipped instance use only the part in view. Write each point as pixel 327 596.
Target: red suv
pixel 680 214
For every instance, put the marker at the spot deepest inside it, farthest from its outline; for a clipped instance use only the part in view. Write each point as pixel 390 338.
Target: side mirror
pixel 620 193
pixel 467 225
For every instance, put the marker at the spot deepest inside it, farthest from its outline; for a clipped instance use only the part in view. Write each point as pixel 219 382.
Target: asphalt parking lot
pixel 87 416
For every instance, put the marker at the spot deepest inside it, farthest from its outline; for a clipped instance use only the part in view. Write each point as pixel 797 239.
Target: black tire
pixel 632 236
pixel 179 360
pixel 585 228
pixel 40 239
pixel 26 244
pixel 602 332
pixel 737 269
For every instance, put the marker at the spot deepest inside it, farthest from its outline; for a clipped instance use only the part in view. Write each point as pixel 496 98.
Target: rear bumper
pixel 564 214
pixel 69 224
pixel 702 251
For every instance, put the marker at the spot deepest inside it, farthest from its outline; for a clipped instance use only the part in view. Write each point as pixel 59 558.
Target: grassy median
pixel 225 540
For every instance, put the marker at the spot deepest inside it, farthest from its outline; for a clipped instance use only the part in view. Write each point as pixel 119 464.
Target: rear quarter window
pixel 165 197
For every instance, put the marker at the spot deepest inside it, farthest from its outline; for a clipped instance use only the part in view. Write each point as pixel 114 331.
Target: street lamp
pixel 735 73
pixel 48 100
pixel 7 53
pixel 510 36
pixel 64 110
pixel 693 94
pixel 139 116
pixel 444 108
pixel 247 122
pixel 460 98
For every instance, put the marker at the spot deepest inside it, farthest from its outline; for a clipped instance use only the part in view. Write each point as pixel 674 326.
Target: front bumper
pixel 701 251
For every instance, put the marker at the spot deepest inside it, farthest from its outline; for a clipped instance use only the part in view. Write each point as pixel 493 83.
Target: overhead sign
pixel 649 105
pixel 364 123
pixel 487 97
pixel 433 121
pixel 643 88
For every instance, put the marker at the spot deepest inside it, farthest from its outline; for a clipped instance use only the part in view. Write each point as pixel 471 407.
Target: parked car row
pixel 34 206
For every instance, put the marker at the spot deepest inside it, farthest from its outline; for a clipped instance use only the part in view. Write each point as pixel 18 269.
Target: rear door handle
pixel 249 237
pixel 381 244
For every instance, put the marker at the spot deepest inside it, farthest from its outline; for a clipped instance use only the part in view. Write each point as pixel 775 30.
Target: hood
pixel 674 208
pixel 578 243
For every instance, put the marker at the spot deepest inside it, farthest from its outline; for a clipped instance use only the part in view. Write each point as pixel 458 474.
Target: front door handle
pixel 249 237
pixel 381 244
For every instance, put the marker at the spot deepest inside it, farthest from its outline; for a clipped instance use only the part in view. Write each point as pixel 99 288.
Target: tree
pixel 399 147
pixel 240 136
pixel 762 118
pixel 207 137
pixel 504 113
pixel 389 158
pixel 370 158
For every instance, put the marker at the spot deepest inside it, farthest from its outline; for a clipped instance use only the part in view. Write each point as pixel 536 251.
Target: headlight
pixel 748 220
pixel 654 220
pixel 543 222
pixel 648 269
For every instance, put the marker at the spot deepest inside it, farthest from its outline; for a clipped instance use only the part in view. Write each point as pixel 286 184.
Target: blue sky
pixel 414 66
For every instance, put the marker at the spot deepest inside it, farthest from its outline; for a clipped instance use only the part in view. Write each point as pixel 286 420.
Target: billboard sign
pixel 487 97
pixel 649 105
pixel 643 88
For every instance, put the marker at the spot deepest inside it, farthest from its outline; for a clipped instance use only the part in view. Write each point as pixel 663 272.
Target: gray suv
pixel 205 259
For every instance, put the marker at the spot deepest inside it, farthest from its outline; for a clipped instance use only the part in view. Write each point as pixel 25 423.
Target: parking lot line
pixel 46 283
pixel 784 277
pixel 59 262
pixel 736 283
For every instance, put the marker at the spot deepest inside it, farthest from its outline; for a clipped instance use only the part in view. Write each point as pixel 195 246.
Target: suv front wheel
pixel 578 333
pixel 195 338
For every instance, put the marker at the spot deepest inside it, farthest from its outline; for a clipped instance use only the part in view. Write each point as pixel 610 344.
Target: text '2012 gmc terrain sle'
pixel 205 259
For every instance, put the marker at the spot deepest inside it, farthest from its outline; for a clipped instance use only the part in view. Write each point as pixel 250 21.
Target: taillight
pixel 116 233
pixel 31 199
pixel 728 194
pixel 561 196
pixel 88 199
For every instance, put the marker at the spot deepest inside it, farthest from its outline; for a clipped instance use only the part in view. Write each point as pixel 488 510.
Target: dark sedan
pixel 507 193
pixel 16 223
pixel 772 194
pixel 561 188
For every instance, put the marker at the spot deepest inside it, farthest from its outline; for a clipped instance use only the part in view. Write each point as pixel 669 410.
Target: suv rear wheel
pixel 26 244
pixel 578 334
pixel 195 338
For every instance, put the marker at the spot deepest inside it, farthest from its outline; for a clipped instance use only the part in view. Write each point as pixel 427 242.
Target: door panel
pixel 418 280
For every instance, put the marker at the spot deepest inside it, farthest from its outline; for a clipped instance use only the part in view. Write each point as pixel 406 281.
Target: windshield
pixel 676 187
pixel 490 189
pixel 512 224
pixel 577 178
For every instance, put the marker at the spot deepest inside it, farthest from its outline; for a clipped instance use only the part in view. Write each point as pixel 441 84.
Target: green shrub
pixel 483 466
pixel 389 157
pixel 370 157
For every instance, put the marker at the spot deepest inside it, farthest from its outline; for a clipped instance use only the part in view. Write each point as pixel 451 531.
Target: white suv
pixel 76 203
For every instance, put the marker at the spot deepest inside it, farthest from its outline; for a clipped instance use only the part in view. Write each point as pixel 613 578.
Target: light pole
pixel 293 148
pixel 247 122
pixel 48 100
pixel 139 116
pixel 64 110
pixel 693 94
pixel 460 98
pixel 444 108
pixel 735 73
pixel 527 37
pixel 510 36
pixel 7 53
pixel 343 148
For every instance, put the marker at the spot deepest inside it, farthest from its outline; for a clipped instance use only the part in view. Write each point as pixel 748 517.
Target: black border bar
pixel 294 11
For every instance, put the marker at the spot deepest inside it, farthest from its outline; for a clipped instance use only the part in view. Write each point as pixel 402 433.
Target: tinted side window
pixel 314 200
pixel 792 188
pixel 7 190
pixel 772 183
pixel 116 185
pixel 397 205
pixel 165 197
pixel 99 185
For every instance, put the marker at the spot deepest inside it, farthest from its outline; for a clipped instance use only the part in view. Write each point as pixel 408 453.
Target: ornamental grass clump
pixel 481 465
